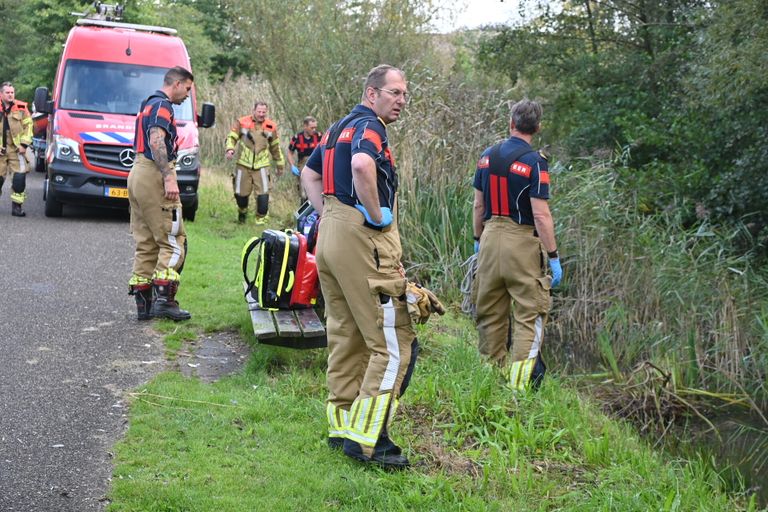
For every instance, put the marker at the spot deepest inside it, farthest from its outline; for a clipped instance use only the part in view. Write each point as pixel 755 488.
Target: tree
pixel 727 96
pixel 606 69
pixel 315 54
pixel 39 28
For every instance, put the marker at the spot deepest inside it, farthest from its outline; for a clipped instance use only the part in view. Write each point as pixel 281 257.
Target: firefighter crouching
pixel 153 193
pixel 17 136
pixel 515 237
pixel 259 146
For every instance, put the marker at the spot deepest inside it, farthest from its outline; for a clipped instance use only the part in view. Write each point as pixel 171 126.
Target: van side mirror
pixel 208 117
pixel 42 102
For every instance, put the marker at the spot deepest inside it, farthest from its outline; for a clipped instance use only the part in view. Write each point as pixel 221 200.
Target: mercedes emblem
pixel 127 156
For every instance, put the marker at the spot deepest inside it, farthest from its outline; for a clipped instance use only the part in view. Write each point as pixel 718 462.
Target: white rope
pixel 467 306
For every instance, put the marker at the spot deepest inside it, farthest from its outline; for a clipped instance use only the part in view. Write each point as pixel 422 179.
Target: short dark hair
pixel 177 73
pixel 377 76
pixel 5 84
pixel 259 102
pixel 309 119
pixel 526 116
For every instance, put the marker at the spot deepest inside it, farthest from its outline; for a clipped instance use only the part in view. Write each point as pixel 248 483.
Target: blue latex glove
pixel 477 246
pixel 557 271
pixel 295 170
pixel 386 216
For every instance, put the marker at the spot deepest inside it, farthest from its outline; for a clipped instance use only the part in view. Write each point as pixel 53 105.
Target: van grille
pixel 109 156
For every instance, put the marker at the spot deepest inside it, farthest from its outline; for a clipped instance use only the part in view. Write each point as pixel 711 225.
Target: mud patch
pixel 213 356
pixel 435 456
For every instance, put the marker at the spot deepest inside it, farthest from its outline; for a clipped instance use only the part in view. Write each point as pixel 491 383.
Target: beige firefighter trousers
pixel 369 328
pixel 245 181
pixel 13 163
pixel 10 163
pixel 156 224
pixel 511 269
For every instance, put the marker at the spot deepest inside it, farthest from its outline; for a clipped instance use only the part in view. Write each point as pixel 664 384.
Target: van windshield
pixel 113 88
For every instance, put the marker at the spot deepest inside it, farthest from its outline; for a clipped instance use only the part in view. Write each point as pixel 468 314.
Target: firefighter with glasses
pixel 515 236
pixel 17 137
pixel 351 180
pixel 153 193
pixel 259 143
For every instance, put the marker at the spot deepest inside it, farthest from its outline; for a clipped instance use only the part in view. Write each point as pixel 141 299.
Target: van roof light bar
pixel 130 26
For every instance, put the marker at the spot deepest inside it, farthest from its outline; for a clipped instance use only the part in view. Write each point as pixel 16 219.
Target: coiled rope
pixel 467 306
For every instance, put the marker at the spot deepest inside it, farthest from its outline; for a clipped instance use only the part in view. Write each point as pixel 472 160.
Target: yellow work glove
pixel 422 303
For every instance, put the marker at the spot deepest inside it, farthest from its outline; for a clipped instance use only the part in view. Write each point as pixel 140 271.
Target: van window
pixel 113 88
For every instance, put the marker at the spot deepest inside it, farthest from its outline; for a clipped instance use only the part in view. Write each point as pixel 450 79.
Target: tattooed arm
pixel 160 156
pixel 159 153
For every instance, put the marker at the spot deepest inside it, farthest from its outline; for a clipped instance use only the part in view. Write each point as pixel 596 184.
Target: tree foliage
pixel 677 85
pixel 315 54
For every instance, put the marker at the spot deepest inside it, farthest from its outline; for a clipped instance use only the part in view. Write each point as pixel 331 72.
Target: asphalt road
pixel 70 348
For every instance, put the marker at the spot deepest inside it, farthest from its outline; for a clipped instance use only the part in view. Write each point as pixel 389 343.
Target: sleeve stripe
pixel 372 136
pixel 164 113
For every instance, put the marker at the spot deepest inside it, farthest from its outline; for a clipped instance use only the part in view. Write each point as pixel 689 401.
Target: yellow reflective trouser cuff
pixel 18 197
pixel 337 420
pixel 166 275
pixel 137 279
pixel 520 373
pixel 367 418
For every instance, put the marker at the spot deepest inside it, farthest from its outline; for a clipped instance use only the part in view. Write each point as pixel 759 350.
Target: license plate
pixel 116 192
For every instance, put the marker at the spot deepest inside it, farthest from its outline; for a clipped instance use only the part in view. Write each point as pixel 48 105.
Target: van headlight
pixel 187 159
pixel 66 149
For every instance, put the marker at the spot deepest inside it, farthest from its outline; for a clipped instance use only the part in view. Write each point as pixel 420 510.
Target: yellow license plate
pixel 116 192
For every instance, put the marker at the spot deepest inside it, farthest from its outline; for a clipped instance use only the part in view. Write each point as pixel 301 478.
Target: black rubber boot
pixel 143 295
pixel 335 443
pixel 17 210
pixel 164 303
pixel 242 208
pixel 386 454
pixel 262 204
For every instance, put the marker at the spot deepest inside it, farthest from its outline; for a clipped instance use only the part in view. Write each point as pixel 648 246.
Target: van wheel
pixel 53 208
pixel 189 213
pixel 40 164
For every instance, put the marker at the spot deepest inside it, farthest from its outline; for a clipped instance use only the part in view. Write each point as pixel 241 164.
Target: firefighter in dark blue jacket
pixel 515 236
pixel 153 193
pixel 351 180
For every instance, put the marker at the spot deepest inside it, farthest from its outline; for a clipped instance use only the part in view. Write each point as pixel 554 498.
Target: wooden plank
pixel 309 323
pixel 263 325
pixel 287 325
pixel 297 343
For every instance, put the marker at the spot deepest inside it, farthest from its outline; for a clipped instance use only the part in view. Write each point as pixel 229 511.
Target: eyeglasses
pixel 396 93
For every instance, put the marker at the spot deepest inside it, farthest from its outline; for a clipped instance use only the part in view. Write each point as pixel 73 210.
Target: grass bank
pixel 255 441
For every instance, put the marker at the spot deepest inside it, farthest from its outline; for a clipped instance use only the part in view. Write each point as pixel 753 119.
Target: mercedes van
pixel 106 70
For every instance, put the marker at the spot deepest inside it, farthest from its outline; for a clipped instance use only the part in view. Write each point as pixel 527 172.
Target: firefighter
pixel 153 193
pixel 514 237
pixel 351 180
pixel 17 137
pixel 303 143
pixel 259 145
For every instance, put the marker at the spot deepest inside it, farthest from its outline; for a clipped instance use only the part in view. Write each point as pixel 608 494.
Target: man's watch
pixel 552 254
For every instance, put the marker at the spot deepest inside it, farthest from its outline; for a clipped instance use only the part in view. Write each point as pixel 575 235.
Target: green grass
pixel 256 440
